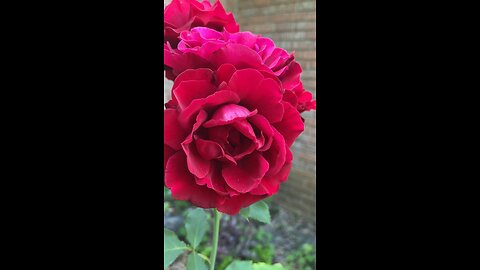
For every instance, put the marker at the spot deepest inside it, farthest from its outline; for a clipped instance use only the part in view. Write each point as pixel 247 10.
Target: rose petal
pixel 208 149
pixel 179 62
pixel 290 97
pixel 215 181
pixel 197 165
pixel 232 206
pixel 270 184
pixel 244 149
pixel 291 78
pixel 238 55
pixel 258 93
pixel 187 91
pixel 183 186
pixel 167 153
pixel 224 73
pixel 245 38
pixel 247 174
pixel 201 74
pixel 228 114
pixel 219 98
pixel 276 155
pixel 262 124
pixel 244 127
pixel 291 125
pixel 219 134
pixel 173 132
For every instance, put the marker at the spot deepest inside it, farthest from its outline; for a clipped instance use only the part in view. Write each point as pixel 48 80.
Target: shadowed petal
pixel 224 73
pixel 197 165
pixel 255 92
pixel 262 124
pixel 215 181
pixel 174 133
pixel 167 153
pixel 208 149
pixel 232 206
pixel 276 155
pixel 186 117
pixel 247 174
pixel 270 184
pixel 183 186
pixel 201 74
pixel 187 91
pixel 291 125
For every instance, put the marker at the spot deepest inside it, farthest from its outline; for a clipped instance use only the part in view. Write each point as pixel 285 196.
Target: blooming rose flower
pixel 228 134
pixel 202 47
pixel 182 15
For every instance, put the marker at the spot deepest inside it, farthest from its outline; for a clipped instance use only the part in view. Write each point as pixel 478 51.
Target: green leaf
pixel 205 258
pixel 166 205
pixel 172 247
pixel 264 266
pixel 245 212
pixel 195 262
pixel 240 265
pixel 258 211
pixel 196 225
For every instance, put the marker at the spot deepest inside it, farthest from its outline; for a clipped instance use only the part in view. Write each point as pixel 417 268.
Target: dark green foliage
pixel 302 259
pixel 264 249
pixel 225 262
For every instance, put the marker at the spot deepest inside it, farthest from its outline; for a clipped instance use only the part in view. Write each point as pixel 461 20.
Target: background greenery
pixel 260 234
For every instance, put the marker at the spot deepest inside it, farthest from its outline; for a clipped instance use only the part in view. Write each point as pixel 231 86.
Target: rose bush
pixel 182 15
pixel 228 134
pixel 202 47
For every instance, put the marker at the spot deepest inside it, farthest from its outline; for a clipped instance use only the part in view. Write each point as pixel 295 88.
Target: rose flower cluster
pixel 235 109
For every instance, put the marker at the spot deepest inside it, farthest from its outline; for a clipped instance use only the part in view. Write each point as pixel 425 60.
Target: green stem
pixel 216 231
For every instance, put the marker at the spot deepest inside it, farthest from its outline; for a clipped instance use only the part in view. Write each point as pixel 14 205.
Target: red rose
pixel 181 15
pixel 228 135
pixel 203 47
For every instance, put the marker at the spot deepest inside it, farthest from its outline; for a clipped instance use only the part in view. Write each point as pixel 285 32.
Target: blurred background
pixel 291 25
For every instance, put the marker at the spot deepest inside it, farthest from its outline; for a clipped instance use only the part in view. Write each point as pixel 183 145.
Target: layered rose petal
pixel 181 15
pixel 197 165
pixel 215 181
pixel 257 92
pixel 183 186
pixel 184 94
pixel 211 102
pixel 291 125
pixel 176 62
pixel 228 114
pixel 231 129
pixel 174 133
pixel 270 184
pixel 167 153
pixel 208 149
pixel 224 73
pixel 238 55
pixel 276 154
pixel 233 205
pixel 262 124
pixel 247 174
pixel 203 47
pixel 201 74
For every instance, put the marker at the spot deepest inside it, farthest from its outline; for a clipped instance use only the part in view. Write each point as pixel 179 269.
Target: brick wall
pixel 291 24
